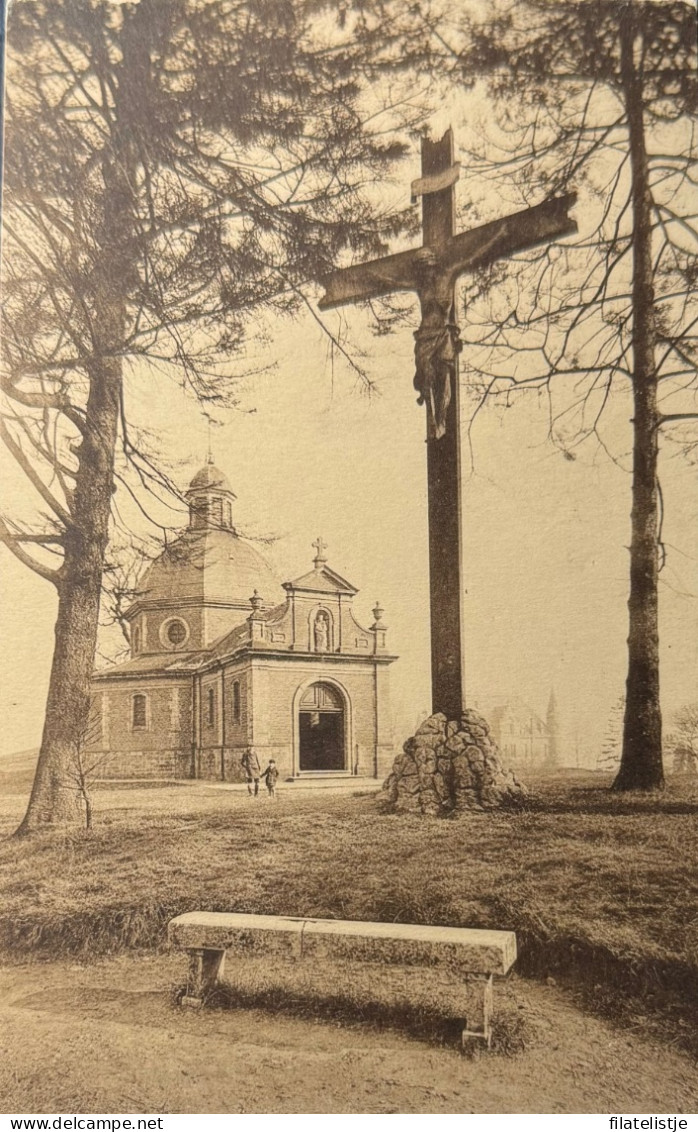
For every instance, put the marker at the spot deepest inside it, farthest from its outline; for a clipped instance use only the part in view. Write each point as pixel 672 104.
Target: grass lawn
pixel 602 890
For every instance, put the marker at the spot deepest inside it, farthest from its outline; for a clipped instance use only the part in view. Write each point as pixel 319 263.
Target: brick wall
pixel 385 753
pixel 163 748
pixel 153 619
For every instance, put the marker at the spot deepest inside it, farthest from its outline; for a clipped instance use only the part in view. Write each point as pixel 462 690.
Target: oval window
pixel 176 633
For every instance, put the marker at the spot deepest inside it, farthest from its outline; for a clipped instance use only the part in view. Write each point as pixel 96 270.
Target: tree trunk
pixel 55 793
pixel 88 809
pixel 641 761
pixel 55 797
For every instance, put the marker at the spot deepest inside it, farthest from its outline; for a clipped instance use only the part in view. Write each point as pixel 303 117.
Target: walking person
pixel 251 766
pixel 270 776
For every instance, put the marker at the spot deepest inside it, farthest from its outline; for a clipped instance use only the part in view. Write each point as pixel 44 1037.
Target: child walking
pixel 270 776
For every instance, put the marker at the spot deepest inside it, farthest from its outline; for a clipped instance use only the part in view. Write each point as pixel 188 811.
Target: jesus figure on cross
pixel 432 271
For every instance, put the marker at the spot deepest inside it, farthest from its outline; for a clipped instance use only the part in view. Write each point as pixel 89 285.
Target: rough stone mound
pixel 449 767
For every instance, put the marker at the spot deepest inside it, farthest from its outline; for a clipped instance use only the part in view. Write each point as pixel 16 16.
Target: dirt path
pixel 105 1038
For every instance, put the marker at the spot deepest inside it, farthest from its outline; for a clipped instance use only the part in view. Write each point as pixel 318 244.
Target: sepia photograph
pixel 349 559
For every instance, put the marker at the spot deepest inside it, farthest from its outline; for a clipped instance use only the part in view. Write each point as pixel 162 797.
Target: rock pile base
pixel 450 767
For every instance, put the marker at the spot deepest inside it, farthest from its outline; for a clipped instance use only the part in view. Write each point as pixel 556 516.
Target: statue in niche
pixel 321 632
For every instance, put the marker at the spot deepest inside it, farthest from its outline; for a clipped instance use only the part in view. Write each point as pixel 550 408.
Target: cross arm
pixel 468 251
pixel 369 280
pixel 472 250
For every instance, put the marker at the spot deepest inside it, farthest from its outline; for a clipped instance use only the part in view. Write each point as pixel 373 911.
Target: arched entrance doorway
pixel 321 729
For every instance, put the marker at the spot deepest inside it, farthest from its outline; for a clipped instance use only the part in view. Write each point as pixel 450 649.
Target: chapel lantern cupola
pixel 210 499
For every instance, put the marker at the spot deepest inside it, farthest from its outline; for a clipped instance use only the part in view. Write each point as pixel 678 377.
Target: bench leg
pixel 205 969
pixel 478 1022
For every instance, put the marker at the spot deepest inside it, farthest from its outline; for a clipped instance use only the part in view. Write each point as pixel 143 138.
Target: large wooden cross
pixel 432 271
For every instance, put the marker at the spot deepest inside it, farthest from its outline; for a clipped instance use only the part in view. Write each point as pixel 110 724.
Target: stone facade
pixel 299 680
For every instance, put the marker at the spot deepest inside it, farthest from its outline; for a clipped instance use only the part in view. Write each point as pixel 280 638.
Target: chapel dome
pixel 211 566
pixel 210 477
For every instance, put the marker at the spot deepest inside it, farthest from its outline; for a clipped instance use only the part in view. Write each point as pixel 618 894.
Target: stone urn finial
pixel 378 612
pixel 256 620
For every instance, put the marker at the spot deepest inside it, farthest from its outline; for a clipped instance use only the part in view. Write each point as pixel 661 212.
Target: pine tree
pixel 173 168
pixel 683 740
pixel 601 97
pixel 609 759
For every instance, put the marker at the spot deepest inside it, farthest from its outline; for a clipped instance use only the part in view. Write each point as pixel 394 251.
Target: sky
pixel 308 452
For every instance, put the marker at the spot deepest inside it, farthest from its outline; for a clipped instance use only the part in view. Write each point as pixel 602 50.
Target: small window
pixel 236 701
pixel 211 707
pixel 323 697
pixel 136 640
pixel 198 511
pixel 176 633
pixel 94 732
pixel 217 512
pixel 228 513
pixel 139 716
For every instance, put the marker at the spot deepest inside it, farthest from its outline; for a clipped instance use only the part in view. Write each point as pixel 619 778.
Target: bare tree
pixel 601 96
pixel 172 167
pixel 89 759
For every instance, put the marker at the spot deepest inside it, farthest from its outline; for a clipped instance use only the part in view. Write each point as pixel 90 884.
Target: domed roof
pixel 210 565
pixel 209 477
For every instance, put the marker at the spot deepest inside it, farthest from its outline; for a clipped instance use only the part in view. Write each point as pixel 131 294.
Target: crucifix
pixel 432 271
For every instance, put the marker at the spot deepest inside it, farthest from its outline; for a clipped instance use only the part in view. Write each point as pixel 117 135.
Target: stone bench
pixel 467 957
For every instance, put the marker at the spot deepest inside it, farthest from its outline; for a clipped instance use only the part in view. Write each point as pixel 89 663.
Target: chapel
pixel 224 657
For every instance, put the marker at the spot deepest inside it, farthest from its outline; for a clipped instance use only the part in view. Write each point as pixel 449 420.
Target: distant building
pixel 525 740
pixel 224 657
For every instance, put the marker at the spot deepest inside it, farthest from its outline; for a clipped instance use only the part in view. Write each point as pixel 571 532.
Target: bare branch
pixel 29 471
pixel 13 544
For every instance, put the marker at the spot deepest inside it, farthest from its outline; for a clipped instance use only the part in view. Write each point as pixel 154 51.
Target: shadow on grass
pixel 511 1032
pixel 602 800
pixel 658 1013
pixel 657 997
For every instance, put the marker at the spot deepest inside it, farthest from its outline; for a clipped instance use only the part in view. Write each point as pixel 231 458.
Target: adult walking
pixel 251 766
